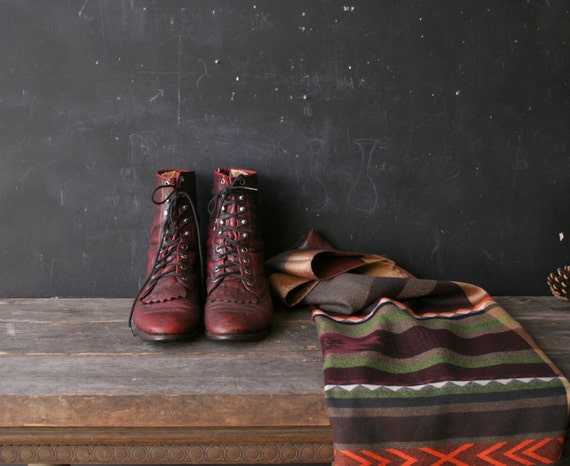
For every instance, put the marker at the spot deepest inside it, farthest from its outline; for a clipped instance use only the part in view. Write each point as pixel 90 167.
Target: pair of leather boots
pixel 233 301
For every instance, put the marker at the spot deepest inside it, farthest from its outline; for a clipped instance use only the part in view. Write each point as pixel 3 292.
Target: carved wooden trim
pixel 168 454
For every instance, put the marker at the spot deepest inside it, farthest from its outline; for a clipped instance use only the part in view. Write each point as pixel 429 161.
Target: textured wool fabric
pixel 418 381
pixel 425 372
pixel 312 260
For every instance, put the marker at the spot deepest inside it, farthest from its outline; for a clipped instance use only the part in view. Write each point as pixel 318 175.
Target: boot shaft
pixel 173 196
pixel 173 254
pixel 235 247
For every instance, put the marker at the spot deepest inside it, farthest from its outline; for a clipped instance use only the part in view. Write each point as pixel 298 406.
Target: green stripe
pixel 338 362
pixel 394 317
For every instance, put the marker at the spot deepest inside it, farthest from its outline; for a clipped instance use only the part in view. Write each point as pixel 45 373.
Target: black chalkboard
pixel 434 132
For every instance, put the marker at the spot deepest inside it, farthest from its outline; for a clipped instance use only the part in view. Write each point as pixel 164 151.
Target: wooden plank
pixel 547 320
pixel 74 363
pixel 109 436
pixel 76 326
pixel 62 347
pixel 181 374
pixel 155 411
pixel 203 446
pixel 75 386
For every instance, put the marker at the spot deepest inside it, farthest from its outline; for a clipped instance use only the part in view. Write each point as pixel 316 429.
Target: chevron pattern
pixel 430 381
pixel 524 453
pixel 442 385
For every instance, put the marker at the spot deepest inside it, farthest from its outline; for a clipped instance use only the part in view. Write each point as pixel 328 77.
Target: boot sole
pixel 238 336
pixel 154 337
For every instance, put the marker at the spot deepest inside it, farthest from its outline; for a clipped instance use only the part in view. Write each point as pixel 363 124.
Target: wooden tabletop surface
pixel 73 362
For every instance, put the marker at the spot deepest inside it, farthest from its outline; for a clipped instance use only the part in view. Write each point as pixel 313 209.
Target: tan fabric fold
pixel 298 271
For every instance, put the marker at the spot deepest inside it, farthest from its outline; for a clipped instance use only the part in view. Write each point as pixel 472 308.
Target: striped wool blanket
pixel 423 372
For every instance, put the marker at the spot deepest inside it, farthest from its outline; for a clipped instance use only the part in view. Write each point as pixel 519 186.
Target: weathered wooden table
pixel 76 387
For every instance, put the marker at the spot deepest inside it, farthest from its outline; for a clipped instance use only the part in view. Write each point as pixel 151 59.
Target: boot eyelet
pixel 246 260
pixel 185 220
pixel 182 267
pixel 184 207
pixel 241 197
pixel 244 249
pixel 219 248
pixel 242 209
pixel 186 233
pixel 221 221
pixel 184 277
pixel 166 183
pixel 249 282
pixel 245 236
pixel 184 247
pixel 217 268
pixel 184 256
pixel 244 222
pixel 223 208
pixel 248 271
pixel 181 179
pixel 242 181
pixel 223 181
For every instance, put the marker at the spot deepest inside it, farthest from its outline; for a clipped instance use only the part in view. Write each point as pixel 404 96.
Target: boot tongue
pixel 232 290
pixel 235 172
pixel 224 177
pixel 166 289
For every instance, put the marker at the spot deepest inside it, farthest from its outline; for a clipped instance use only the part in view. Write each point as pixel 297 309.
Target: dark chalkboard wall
pixel 434 132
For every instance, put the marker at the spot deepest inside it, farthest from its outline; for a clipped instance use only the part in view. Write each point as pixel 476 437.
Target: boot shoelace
pixel 231 256
pixel 172 252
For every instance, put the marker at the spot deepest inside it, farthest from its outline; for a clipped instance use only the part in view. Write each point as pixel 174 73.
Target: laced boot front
pixel 168 307
pixel 238 303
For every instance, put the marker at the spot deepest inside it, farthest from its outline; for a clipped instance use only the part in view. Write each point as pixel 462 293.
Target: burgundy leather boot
pixel 168 307
pixel 238 302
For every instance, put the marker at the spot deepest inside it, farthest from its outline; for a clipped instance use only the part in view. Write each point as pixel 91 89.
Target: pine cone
pixel 559 283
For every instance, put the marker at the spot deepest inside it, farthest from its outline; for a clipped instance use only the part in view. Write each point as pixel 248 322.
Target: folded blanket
pixel 311 266
pixel 422 372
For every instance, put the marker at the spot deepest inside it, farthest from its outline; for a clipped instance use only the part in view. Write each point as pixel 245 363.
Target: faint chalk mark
pixel 80 14
pixel 179 78
pixel 313 187
pixel 204 74
pixel 160 93
pixel 363 183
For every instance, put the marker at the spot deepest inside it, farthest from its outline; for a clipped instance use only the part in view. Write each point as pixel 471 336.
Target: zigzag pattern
pixel 526 453
pixel 447 367
pixel 445 384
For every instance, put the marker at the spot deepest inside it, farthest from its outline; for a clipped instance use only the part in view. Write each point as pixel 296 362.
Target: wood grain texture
pixel 76 387
pixel 74 363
